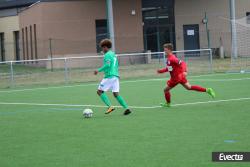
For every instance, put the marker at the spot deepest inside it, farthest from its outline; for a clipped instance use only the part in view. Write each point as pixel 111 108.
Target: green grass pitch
pixel 42 135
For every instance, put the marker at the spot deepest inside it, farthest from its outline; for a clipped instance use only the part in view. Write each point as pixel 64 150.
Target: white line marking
pixel 216 101
pixel 55 87
pixel 132 81
pixel 220 80
pixel 134 107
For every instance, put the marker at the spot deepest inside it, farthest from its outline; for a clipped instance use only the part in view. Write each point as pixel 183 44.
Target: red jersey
pixel 174 67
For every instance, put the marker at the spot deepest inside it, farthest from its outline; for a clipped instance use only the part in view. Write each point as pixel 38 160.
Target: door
pixel 191 37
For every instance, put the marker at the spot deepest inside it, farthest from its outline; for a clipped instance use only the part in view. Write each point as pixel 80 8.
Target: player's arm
pixel 104 67
pixel 162 70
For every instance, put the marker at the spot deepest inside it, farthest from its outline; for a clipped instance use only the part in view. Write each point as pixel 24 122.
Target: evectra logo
pixel 231 156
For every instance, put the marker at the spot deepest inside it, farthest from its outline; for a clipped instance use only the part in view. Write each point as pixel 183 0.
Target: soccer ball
pixel 87 113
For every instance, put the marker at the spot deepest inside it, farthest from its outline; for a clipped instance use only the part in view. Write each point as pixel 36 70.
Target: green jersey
pixel 110 65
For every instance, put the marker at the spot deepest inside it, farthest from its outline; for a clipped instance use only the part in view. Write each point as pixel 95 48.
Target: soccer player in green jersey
pixel 111 78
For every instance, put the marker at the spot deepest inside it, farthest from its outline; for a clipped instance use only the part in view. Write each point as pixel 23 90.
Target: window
pixel 35 42
pixel 248 17
pixel 27 43
pixel 101 32
pixel 23 44
pixel 2 49
pixel 31 44
pixel 17 47
pixel 159 23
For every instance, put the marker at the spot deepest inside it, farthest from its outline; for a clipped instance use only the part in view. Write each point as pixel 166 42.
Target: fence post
pixel 66 75
pixel 211 60
pixel 164 58
pixel 148 57
pixel 11 74
pixel 51 54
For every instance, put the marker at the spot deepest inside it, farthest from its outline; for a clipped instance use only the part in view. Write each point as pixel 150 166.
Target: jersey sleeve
pixel 163 70
pixel 107 61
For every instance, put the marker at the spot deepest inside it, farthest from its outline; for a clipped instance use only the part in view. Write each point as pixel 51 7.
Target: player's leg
pixel 103 87
pixel 104 97
pixel 167 95
pixel 197 88
pixel 106 100
pixel 170 84
pixel 122 102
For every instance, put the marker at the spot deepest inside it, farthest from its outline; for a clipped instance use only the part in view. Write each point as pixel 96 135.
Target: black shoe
pixel 127 112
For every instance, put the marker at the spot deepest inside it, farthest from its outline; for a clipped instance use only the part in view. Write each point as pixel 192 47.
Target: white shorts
pixel 109 84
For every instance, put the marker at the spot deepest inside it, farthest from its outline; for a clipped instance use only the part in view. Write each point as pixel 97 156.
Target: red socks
pixel 195 88
pixel 198 89
pixel 168 97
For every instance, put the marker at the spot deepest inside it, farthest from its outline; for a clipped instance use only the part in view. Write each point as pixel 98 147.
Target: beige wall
pixel 243 29
pixel 218 12
pixel 7 26
pixel 128 28
pixel 71 25
pixel 29 18
pixel 193 11
pixel 242 6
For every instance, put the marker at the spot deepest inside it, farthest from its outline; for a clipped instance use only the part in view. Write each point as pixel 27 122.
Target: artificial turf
pixel 43 135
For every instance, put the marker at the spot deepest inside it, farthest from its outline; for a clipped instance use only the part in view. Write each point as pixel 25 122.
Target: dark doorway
pixel 2 49
pixel 17 46
pixel 101 32
pixel 158 19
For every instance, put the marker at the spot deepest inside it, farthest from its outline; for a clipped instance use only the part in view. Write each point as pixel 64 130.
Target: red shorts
pixel 172 83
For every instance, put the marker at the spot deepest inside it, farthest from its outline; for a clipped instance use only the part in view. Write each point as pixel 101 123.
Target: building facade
pixel 62 28
pixel 192 33
pixel 9 28
pixel 67 28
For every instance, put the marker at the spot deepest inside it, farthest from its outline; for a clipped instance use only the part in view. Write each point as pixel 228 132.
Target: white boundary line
pixel 220 80
pixel 132 81
pixel 133 107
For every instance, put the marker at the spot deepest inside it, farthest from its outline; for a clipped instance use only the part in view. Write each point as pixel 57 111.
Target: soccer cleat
pixel 211 92
pixel 127 112
pixel 110 109
pixel 165 104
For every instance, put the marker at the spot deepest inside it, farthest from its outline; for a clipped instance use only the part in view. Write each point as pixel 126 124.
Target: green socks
pixel 105 99
pixel 122 102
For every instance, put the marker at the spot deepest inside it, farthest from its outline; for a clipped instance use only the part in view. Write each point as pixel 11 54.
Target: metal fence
pixel 80 69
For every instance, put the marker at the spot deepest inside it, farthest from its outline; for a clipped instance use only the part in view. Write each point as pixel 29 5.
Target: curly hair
pixel 106 43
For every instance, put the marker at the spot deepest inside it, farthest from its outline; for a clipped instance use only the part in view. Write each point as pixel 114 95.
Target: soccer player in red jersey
pixel 178 73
